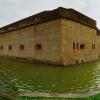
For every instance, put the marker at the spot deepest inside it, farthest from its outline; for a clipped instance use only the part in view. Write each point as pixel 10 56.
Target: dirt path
pixel 59 95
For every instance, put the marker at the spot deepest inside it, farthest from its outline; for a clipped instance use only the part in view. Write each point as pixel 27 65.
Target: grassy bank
pixel 97 97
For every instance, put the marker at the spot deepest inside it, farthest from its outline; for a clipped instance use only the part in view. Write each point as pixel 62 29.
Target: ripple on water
pixel 85 77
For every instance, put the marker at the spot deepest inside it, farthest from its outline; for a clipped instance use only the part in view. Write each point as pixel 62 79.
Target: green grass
pixel 97 97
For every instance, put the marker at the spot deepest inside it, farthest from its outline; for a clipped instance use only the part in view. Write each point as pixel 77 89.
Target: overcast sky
pixel 13 10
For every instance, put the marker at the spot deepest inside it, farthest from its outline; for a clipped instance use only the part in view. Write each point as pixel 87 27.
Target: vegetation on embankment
pixel 8 90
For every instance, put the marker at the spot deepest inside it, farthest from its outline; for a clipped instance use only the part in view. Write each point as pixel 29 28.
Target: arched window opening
pixel 82 60
pixel 73 46
pixel 1 47
pixel 77 62
pixel 38 47
pixel 77 45
pixel 93 46
pixel 82 46
pixel 22 47
pixel 10 47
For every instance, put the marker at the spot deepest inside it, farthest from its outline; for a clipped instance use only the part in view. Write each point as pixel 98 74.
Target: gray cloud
pixel 13 10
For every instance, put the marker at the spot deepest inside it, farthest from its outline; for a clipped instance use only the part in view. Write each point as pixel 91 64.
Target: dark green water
pixel 46 78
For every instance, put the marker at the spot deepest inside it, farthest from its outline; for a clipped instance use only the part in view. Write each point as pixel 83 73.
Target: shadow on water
pixel 29 77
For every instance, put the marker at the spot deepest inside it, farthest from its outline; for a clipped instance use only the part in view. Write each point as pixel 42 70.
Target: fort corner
pixel 61 36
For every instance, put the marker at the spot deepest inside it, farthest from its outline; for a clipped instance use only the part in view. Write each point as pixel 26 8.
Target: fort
pixel 61 36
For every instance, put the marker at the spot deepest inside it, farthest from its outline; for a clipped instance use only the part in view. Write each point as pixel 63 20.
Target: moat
pixel 48 78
